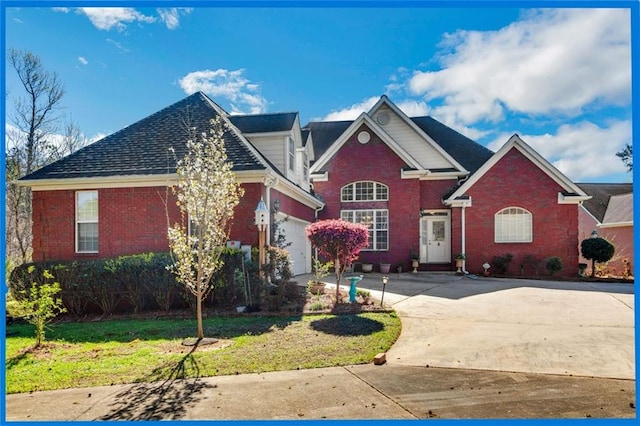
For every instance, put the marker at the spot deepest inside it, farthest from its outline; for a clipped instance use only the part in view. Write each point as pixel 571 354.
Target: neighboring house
pixel 610 213
pixel 419 185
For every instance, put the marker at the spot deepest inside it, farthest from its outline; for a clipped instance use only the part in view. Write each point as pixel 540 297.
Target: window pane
pixel 364 191
pixel 87 206
pixel 347 193
pixel 87 237
pixel 382 192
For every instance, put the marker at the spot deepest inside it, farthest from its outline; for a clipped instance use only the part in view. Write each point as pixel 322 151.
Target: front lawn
pixel 145 350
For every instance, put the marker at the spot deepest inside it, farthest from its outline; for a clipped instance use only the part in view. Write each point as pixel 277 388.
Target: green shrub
pixel 500 264
pixel 597 250
pixel 40 305
pixel 553 264
pixel 134 283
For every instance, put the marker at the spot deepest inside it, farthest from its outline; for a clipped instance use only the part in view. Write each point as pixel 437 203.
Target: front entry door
pixel 435 239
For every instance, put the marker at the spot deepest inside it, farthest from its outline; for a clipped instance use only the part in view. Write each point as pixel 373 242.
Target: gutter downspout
pixel 463 237
pixel 269 182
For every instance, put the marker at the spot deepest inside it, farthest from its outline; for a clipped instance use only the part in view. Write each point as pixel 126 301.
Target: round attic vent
pixel 364 137
pixel 383 118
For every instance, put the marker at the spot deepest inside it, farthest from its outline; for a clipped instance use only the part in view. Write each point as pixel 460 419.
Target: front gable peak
pixel 570 194
pixel 422 154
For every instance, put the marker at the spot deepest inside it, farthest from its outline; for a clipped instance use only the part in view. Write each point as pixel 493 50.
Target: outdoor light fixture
pixel 385 280
pixel 276 206
pixel 594 234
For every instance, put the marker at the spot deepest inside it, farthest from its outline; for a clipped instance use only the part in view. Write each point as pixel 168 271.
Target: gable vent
pixel 383 118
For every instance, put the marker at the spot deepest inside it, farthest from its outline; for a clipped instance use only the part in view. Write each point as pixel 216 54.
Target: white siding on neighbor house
pixel 415 145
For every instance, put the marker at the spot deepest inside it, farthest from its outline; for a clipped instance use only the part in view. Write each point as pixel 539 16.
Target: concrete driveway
pixel 549 327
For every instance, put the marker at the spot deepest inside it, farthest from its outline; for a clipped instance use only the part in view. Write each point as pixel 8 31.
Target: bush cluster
pixel 133 283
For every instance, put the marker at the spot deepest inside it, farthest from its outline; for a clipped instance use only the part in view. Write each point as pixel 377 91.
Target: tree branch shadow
pixel 158 399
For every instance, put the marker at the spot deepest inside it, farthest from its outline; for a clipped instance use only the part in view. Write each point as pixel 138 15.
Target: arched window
pixel 513 225
pixel 364 191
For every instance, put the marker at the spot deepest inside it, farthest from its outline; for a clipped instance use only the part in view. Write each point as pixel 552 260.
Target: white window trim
pixel 495 227
pixel 372 241
pixel 78 222
pixel 375 192
pixel 291 154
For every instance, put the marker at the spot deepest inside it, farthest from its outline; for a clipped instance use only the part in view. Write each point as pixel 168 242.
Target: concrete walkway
pixel 468 349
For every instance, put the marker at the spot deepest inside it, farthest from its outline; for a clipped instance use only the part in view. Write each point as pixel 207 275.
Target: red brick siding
pixel 292 207
pixel 375 161
pixel 131 220
pixel 516 181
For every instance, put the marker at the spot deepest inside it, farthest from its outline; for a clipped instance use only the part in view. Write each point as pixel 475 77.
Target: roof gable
pixel 572 193
pixel 428 153
pixel 352 128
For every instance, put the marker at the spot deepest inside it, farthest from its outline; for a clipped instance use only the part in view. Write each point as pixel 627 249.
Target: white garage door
pixel 300 247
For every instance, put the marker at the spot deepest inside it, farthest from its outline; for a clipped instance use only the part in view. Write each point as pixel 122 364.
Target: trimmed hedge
pixel 133 283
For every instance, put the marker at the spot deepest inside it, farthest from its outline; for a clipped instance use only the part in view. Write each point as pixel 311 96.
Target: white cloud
pixel 106 18
pixel 550 62
pixel 582 151
pixel 171 16
pixel 352 112
pixel 231 85
pixel 82 60
pixel 60 9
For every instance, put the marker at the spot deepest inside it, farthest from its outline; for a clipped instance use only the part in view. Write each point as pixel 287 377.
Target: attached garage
pixel 300 247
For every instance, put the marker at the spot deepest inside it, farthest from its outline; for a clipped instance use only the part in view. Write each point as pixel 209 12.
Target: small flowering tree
pixel 207 192
pixel 340 241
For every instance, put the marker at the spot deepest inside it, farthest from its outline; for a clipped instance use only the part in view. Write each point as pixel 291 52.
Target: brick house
pixel 421 187
pixel 609 212
pixel 426 190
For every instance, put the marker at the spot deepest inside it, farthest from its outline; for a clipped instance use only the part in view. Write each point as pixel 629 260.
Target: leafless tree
pixel 33 119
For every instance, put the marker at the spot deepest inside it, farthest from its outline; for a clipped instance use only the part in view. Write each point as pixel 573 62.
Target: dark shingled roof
pixel 143 147
pixel 279 122
pixel 601 194
pixel 325 133
pixel 470 154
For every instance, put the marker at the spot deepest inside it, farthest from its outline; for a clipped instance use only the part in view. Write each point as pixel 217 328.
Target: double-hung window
pixel 87 221
pixel 513 225
pixel 377 221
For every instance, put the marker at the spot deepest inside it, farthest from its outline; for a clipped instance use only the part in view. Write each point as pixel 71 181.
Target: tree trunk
pixel 199 315
pixel 593 268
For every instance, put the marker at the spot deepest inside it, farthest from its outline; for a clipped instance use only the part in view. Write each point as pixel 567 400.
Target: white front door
pixel 435 240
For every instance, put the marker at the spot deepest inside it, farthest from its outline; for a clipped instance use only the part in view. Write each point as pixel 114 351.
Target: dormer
pixel 278 137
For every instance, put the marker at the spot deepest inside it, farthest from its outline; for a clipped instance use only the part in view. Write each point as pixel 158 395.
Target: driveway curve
pixel 548 327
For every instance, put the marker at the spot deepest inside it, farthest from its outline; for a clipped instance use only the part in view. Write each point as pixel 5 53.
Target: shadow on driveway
pixel 452 286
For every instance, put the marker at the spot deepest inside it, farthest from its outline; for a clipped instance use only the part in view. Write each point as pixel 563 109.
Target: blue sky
pixel 560 78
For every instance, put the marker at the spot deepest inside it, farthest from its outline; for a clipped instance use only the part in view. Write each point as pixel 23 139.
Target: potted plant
pixel 460 257
pixel 415 261
pixel 367 267
pixel 385 268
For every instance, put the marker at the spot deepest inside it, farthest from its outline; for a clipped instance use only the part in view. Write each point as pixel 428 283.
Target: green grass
pixel 130 351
